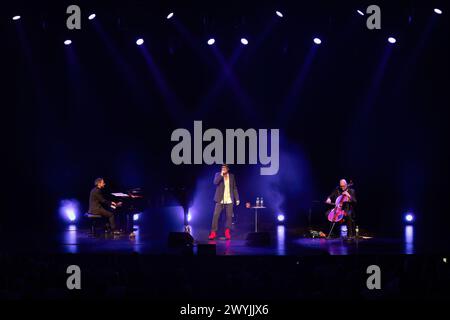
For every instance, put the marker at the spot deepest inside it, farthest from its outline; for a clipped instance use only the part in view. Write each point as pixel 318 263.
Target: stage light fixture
pixel 15 18
pixel 67 42
pixel 278 13
pixel 409 217
pixel 211 41
pixel 360 12
pixel 317 41
pixel 280 217
pixel 91 16
pixel 139 41
pixel 392 40
pixel 69 209
pixel 244 41
pixel 136 217
pixel 438 11
pixel 169 16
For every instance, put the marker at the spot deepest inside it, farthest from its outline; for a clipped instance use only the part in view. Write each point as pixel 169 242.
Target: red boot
pixel 212 235
pixel 227 234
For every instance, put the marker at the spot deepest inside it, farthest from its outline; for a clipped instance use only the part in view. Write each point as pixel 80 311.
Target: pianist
pixel 97 204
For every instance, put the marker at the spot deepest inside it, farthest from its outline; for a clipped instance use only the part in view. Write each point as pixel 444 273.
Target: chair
pixel 94 218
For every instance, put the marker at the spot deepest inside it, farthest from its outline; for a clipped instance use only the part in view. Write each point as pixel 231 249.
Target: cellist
pixel 348 206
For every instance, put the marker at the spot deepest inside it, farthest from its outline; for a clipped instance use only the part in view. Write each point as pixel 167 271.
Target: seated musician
pixel 98 204
pixel 348 207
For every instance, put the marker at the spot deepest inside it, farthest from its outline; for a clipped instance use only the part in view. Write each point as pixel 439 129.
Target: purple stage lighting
pixel 317 41
pixel 279 14
pixel 438 11
pixel 211 41
pixel 392 40
pixel 280 217
pixel 244 41
pixel 69 209
pixel 409 217
pixel 139 41
pixel 15 18
pixel 91 16
pixel 67 42
pixel 360 12
pixel 170 15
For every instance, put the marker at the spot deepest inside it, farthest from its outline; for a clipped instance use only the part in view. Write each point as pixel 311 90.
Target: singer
pixel 225 197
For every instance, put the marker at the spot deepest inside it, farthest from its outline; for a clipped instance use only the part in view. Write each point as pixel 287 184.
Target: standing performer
pixel 97 204
pixel 225 197
pixel 348 206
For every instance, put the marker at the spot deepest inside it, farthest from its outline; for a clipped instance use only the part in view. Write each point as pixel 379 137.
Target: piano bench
pixel 93 221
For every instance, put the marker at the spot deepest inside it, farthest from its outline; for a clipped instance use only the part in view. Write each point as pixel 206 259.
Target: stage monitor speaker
pixel 206 249
pixel 258 239
pixel 180 239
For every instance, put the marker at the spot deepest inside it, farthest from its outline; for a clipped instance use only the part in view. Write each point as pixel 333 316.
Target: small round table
pixel 256 215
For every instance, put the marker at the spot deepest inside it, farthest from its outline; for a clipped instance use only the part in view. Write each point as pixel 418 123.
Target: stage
pixel 276 117
pixel 284 241
pixel 289 269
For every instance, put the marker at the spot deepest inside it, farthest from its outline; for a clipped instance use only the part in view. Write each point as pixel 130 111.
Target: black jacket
pixel 347 206
pixel 220 188
pixel 97 202
pixel 338 191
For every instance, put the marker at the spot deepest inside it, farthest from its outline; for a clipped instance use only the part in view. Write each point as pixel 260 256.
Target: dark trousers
pixel 217 211
pixel 107 214
pixel 350 226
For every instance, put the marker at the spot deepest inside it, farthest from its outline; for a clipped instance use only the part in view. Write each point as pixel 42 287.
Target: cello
pixel 338 213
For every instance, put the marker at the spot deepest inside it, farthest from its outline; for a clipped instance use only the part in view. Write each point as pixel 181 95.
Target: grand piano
pixel 132 202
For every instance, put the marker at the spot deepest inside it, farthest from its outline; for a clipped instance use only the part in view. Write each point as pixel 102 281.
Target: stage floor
pixel 291 268
pixel 284 242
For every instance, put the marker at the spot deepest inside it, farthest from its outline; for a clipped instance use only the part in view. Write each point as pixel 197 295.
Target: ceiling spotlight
pixel 15 18
pixel 279 14
pixel 139 41
pixel 392 40
pixel 317 41
pixel 91 16
pixel 409 217
pixel 438 11
pixel 360 12
pixel 170 15
pixel 211 41
pixel 67 42
pixel 244 41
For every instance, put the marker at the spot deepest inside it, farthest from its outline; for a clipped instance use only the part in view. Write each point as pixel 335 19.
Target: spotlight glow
pixel 279 14
pixel 438 11
pixel 317 41
pixel 139 41
pixel 244 41
pixel 392 40
pixel 15 18
pixel 189 217
pixel 170 15
pixel 280 217
pixel 69 209
pixel 136 217
pixel 211 41
pixel 360 12
pixel 409 217
pixel 67 42
pixel 91 16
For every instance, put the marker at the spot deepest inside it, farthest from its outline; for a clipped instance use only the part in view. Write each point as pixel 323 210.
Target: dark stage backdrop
pixel 356 106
